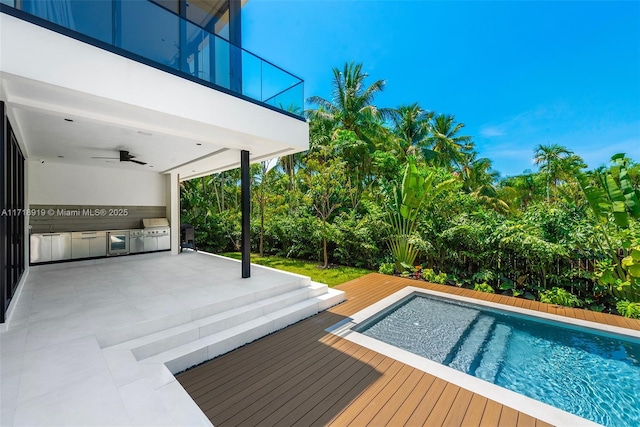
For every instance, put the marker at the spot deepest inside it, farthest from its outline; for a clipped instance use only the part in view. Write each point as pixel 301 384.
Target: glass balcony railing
pixel 174 44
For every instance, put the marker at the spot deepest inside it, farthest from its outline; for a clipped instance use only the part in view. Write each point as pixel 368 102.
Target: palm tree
pixel 411 127
pixel 569 165
pixel 351 112
pixel 550 159
pixel 521 189
pixel 478 179
pixel 444 146
pixel 351 105
pixel 476 173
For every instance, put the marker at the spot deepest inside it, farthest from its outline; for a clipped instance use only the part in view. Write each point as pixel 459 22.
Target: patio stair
pixel 217 329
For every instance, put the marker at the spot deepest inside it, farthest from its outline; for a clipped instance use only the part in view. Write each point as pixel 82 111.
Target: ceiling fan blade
pixel 124 157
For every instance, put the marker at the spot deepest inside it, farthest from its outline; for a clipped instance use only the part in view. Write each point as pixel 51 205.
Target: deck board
pixel 400 395
pixel 525 420
pixel 443 406
pixel 304 376
pixel 508 417
pixel 458 408
pixel 491 414
pixel 408 406
pixel 380 400
pixel 352 411
pixel 474 411
pixel 314 389
pixel 339 398
pixel 428 402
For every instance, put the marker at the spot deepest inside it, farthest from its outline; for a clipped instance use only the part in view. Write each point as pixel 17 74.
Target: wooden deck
pixel 303 376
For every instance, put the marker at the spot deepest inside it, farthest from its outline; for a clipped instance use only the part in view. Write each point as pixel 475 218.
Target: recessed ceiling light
pixel 144 133
pixel 61 157
pixel 68 120
pixel 198 143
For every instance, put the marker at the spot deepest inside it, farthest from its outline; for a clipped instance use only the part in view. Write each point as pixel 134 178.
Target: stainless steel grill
pixel 157 234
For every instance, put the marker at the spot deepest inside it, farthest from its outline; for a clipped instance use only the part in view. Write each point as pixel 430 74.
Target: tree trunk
pixel 215 189
pixel 222 191
pixel 324 243
pixel 262 229
pixel 326 255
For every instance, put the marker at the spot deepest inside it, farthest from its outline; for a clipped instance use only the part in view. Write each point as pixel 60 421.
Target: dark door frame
pixel 12 215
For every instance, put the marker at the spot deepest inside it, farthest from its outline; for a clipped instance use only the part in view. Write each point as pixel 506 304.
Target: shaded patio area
pixel 96 342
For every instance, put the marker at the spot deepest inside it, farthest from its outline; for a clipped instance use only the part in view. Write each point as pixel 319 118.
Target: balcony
pixel 148 33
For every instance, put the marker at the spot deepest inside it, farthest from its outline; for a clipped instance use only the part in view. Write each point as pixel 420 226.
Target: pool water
pixel 592 374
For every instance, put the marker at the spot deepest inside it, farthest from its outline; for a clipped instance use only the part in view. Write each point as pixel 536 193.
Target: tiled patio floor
pixel 56 367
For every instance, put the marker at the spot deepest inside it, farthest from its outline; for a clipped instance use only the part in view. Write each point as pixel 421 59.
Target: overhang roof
pixel 70 102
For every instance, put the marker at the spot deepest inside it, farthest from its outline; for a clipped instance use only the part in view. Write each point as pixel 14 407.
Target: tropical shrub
pixel 431 276
pixel 513 288
pixel 629 309
pixel 615 205
pixel 560 296
pixel 359 235
pixel 483 287
pixel 387 268
pixel 415 192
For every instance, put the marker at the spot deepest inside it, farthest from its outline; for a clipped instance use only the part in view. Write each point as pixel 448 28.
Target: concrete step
pixel 116 336
pixel 317 288
pixel 205 348
pixel 330 298
pixel 158 342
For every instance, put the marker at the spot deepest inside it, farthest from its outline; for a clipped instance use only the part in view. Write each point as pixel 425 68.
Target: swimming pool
pixel 593 374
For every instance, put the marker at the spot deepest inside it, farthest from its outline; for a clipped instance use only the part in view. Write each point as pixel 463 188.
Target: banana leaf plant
pixel 415 193
pixel 615 201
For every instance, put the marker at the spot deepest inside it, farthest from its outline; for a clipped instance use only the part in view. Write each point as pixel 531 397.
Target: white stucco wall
pixel 64 184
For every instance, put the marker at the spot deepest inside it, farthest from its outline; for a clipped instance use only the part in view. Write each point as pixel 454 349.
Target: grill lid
pixel 155 222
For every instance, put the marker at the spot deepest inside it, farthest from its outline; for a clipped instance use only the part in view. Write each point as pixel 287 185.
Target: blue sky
pixel 517 73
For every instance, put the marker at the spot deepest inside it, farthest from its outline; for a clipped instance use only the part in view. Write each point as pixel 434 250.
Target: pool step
pixel 471 346
pixel 493 354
